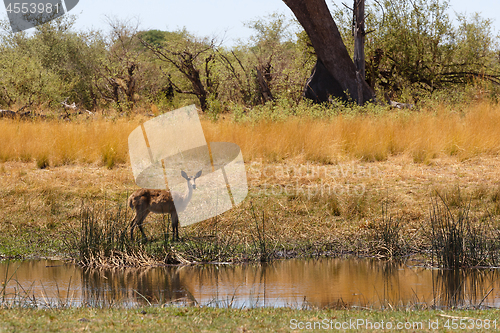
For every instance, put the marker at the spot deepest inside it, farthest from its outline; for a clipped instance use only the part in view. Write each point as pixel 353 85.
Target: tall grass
pixel 464 131
pixel 423 135
pixel 104 240
pixel 58 142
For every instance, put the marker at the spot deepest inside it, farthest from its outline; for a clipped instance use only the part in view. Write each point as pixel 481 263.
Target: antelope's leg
pixel 133 223
pixel 139 224
pixel 175 226
pixel 138 220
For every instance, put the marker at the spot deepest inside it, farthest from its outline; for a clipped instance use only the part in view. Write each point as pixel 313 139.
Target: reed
pixel 104 240
pixel 459 240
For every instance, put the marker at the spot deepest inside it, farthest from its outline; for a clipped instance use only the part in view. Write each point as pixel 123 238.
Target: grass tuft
pixel 387 236
pixel 458 240
pixel 42 162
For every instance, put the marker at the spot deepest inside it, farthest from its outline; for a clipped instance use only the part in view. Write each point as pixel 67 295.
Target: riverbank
pixel 418 185
pixel 294 209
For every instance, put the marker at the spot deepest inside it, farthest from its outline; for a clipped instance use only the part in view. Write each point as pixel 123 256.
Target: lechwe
pixel 145 201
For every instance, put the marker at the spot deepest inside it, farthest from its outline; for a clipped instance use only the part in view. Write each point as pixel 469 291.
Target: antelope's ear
pixel 184 175
pixel 198 174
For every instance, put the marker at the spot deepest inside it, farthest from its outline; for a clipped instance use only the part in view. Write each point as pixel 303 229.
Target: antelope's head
pixel 191 180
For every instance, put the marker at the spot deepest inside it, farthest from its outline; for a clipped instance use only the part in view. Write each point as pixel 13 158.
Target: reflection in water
pixel 465 288
pixel 132 286
pixel 296 283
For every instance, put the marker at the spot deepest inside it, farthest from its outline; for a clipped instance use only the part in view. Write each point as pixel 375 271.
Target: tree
pixel 42 67
pixel 274 58
pixel 117 76
pixel 194 58
pixel 413 48
pixel 316 20
pixel 72 57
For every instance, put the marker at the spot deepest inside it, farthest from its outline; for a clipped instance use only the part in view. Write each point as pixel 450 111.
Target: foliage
pixel 26 74
pixel 193 58
pixel 277 55
pixel 415 52
pixel 413 48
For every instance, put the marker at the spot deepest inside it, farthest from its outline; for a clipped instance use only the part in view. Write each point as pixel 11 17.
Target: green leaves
pixel 416 46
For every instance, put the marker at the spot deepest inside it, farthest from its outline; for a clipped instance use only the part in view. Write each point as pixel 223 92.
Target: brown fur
pixel 145 201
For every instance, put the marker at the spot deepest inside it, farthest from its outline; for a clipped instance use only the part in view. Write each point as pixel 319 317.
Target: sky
pixel 221 18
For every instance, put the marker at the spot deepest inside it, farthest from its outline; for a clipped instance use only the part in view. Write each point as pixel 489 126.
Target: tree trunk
pixel 359 36
pixel 359 43
pixel 316 20
pixel 265 92
pixel 321 85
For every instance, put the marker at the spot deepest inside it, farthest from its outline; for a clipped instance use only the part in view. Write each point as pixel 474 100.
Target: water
pixel 295 283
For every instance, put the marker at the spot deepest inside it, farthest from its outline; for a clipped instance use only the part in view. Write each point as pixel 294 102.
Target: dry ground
pixel 329 208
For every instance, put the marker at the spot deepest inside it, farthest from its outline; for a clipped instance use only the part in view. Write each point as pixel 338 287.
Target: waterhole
pixel 294 283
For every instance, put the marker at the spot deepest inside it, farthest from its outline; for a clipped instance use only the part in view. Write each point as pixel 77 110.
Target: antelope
pixel 145 201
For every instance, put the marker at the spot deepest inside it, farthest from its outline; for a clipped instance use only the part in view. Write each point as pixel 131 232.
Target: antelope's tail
pixel 130 202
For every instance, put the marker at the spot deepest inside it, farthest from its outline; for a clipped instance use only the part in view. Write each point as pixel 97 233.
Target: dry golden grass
pixel 59 142
pixel 41 208
pixel 365 159
pixel 423 135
